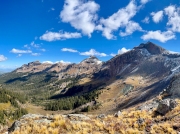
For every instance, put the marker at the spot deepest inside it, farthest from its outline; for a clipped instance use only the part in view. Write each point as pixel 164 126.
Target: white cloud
pixel 61 61
pixel 170 10
pixel 26 46
pixel 64 62
pixel 34 45
pixel 112 54
pixel 123 50
pixel 93 52
pixel 120 19
pixel 130 28
pixel 2 58
pixel 53 36
pixel 144 1
pixel 120 51
pixel 35 54
pixel 81 15
pixel 158 35
pixel 146 20
pixel 18 51
pixel 48 62
pixel 69 50
pixel 51 9
pixel 173 17
pixel 157 17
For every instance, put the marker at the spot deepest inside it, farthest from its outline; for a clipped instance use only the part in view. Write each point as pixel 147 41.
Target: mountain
pixel 87 66
pixel 126 80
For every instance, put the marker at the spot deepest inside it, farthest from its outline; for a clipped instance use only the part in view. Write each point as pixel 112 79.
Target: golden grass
pixel 5 106
pixel 127 123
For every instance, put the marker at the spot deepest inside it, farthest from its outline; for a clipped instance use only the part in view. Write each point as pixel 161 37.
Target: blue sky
pixel 72 30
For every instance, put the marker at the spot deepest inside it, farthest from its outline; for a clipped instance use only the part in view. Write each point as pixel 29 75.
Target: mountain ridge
pixel 146 70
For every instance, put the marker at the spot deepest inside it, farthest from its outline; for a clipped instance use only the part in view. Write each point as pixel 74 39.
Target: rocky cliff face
pixel 173 89
pixel 86 67
pixel 151 48
pixel 146 59
pixel 33 67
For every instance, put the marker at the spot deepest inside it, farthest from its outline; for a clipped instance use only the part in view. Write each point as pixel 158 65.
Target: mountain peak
pixel 152 48
pixel 92 59
pixel 34 63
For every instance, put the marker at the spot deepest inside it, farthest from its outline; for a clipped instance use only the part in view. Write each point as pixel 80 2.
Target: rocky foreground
pixel 146 119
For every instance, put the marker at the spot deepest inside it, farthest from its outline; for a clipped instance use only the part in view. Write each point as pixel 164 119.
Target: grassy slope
pixel 130 121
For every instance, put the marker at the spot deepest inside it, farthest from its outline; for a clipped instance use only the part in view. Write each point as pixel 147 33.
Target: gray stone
pixel 140 121
pixel 39 119
pixel 15 126
pixel 166 105
pixel 101 116
pixel 117 114
pixel 45 121
pixel 148 106
pixel 78 117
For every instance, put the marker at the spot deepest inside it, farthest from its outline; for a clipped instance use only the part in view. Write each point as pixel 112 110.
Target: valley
pixel 128 81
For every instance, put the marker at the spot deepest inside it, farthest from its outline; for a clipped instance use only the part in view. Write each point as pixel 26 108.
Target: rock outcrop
pixel 166 105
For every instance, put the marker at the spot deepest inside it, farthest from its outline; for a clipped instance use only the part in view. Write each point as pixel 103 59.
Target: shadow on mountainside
pixel 143 95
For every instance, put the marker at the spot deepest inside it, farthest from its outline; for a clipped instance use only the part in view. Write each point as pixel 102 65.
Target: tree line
pixel 73 102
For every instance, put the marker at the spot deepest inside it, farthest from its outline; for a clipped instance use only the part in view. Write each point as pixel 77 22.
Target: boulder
pixel 38 119
pixel 166 105
pixel 149 106
pixel 78 117
pixel 101 116
pixel 117 114
pixel 14 126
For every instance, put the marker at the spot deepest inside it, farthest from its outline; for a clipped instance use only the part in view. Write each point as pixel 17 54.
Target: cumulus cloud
pixel 157 17
pixel 64 62
pixel 18 51
pixel 120 19
pixel 93 52
pixel 130 28
pixel 113 54
pixel 69 50
pixel 173 14
pixel 81 15
pixel 158 35
pixel 53 36
pixel 144 1
pixel 123 50
pixel 120 51
pixel 48 62
pixel 2 58
pixel 146 20
pixel 61 61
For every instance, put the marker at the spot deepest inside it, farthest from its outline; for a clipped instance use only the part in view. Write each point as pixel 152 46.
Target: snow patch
pixel 145 52
pixel 124 69
pixel 176 69
pixel 171 52
pixel 134 70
